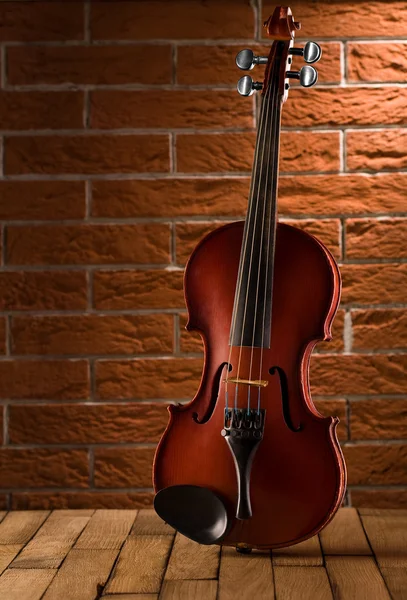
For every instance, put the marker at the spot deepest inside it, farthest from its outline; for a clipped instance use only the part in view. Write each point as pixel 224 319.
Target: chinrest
pixel 194 511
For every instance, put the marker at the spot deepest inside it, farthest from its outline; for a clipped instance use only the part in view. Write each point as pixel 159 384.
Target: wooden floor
pixel 133 555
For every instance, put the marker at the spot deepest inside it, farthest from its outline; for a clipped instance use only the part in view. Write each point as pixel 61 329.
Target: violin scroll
pixel 281 25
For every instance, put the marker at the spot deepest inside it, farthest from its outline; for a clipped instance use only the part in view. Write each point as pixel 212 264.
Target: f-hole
pixel 285 398
pixel 214 397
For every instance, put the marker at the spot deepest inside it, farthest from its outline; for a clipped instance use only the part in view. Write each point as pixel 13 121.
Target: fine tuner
pixel 307 76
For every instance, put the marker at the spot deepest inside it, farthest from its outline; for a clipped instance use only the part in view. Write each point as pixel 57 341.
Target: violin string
pixel 271 235
pixel 263 125
pixel 240 270
pixel 271 101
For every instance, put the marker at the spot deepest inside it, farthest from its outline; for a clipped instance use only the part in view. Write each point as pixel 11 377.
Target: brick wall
pixel 123 142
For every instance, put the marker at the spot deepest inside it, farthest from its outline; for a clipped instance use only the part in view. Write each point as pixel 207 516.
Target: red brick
pixel 175 197
pixel 86 423
pixel 326 230
pixel 371 61
pixel 88 244
pixel 114 109
pixel 207 153
pixel 358 374
pixel 337 342
pixel 382 498
pixel 42 200
pixel 345 106
pixel 342 194
pixel 217 63
pixel 189 234
pixel 150 378
pixel 93 154
pixel 376 464
pixel 41 21
pixel 374 284
pixel 38 467
pixel 339 18
pixel 41 110
pixel 329 68
pixel 379 329
pixel 376 150
pixel 92 334
pixel 123 467
pixel 300 151
pixel 370 238
pixel 110 65
pixel 176 20
pixel 36 290
pixel 299 195
pixel 190 341
pixel 72 500
pixel 213 65
pixel 121 290
pixel 48 379
pixel 376 419
pixel 335 408
pixel 3 335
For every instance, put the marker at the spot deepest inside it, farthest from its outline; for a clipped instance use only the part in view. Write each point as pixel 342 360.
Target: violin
pixel 250 462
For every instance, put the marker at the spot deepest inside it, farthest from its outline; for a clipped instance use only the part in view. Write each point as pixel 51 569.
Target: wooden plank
pixel 245 576
pixel 18 527
pixel 82 575
pixel 149 523
pixel 304 554
pixel 106 530
pixel 186 590
pixel 387 533
pixel 25 584
pixel 344 534
pixel 396 581
pixel 53 541
pixel 356 577
pixel 7 553
pixel 131 597
pixel 190 560
pixel 382 512
pixel 302 583
pixel 141 565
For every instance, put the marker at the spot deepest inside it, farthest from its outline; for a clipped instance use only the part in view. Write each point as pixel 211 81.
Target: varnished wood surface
pixel 133 555
pixel 288 505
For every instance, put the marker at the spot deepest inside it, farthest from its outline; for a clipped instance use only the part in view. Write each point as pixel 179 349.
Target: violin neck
pixel 251 320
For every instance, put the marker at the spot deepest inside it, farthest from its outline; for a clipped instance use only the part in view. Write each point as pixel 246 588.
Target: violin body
pixel 298 474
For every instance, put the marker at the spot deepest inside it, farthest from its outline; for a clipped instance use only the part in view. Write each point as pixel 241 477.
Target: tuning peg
pixel 311 52
pixel 246 86
pixel 307 75
pixel 246 60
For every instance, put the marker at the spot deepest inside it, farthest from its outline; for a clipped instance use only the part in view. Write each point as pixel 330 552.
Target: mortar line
pixel 204 41
pixel 197 130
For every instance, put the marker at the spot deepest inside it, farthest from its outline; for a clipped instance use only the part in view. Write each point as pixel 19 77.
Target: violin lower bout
pixel 298 475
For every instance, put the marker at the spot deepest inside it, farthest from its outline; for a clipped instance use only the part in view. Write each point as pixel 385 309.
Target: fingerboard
pixel 252 311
